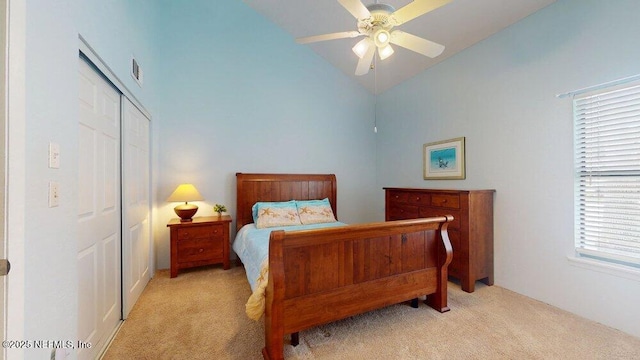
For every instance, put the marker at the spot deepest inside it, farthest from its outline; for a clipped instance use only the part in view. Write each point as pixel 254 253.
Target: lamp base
pixel 186 211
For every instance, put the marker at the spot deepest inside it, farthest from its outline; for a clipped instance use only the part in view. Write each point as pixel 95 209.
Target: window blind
pixel 607 169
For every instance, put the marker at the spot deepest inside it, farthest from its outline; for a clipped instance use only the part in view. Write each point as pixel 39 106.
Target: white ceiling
pixel 457 25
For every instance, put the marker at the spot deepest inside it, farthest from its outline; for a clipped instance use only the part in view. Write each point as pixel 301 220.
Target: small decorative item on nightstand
pixel 202 241
pixel 219 209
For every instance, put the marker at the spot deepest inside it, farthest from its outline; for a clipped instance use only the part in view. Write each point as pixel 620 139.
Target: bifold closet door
pixel 99 211
pixel 136 252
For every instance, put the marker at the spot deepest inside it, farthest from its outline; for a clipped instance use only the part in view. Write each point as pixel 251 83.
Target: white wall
pixel 500 95
pixel 48 250
pixel 239 95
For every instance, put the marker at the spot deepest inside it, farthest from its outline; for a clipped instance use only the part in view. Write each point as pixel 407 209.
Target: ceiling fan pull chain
pixel 375 93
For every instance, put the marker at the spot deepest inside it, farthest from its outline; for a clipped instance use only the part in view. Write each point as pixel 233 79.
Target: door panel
pixel 99 214
pixel 136 198
pixel 87 294
pixel 111 286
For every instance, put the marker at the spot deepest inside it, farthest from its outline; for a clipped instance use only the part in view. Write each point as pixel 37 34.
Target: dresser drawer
pixel 446 200
pixel 402 212
pixel 195 232
pixel 426 212
pixel 199 249
pixel 419 199
pixel 398 197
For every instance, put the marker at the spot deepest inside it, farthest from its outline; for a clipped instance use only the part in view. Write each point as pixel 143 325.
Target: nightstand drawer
pixel 196 232
pixel 199 249
pixel 217 230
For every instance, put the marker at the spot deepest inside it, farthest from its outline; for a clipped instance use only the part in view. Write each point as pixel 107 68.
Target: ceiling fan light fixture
pixel 381 38
pixel 360 49
pixel 385 52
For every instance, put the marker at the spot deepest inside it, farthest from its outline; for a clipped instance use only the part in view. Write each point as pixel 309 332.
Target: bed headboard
pixel 251 188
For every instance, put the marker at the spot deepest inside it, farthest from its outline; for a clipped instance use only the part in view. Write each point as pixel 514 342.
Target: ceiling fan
pixel 376 22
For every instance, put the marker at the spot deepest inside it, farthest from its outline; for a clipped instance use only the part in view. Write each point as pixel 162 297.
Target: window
pixel 607 174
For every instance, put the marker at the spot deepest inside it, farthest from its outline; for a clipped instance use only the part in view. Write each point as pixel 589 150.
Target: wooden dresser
pixel 470 232
pixel 202 241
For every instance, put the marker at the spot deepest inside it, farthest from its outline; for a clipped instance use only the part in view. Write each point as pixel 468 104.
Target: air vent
pixel 136 71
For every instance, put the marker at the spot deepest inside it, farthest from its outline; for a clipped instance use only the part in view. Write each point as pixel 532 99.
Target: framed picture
pixel 444 160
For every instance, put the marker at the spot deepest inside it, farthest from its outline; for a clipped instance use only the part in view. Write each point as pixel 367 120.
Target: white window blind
pixel 607 169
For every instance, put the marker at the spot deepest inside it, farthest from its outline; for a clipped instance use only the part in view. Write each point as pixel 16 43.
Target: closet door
pixel 136 204
pixel 99 213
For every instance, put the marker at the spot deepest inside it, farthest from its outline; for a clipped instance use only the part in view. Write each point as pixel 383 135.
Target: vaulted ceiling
pixel 456 25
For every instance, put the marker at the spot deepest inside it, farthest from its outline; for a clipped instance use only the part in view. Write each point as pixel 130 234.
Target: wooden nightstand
pixel 202 241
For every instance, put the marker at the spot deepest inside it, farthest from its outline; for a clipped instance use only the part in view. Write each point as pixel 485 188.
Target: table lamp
pixel 186 193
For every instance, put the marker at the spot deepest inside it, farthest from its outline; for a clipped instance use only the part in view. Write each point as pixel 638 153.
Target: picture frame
pixel 444 160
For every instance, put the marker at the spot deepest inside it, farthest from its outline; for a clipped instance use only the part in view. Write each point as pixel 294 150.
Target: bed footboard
pixel 320 276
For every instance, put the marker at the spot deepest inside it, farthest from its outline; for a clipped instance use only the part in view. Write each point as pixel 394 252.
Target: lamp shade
pixel 185 193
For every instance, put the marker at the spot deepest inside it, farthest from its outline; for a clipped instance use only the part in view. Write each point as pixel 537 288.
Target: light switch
pixel 54 194
pixel 54 155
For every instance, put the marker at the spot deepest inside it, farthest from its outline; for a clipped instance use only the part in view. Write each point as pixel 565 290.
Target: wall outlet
pixel 54 194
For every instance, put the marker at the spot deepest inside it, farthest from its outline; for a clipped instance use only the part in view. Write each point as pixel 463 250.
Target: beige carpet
pixel 200 315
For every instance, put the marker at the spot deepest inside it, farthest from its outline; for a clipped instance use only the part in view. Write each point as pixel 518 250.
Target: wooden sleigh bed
pixel 319 276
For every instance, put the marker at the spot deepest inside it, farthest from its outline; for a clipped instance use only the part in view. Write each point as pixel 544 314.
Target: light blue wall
pixel 117 30
pixel 500 95
pixel 239 95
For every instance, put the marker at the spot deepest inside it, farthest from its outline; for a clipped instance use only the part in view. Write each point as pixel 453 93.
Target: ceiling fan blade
pixel 416 8
pixel 417 44
pixel 332 36
pixel 356 8
pixel 365 62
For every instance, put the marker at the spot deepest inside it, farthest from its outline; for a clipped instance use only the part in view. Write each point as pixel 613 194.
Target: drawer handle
pixel 444 201
pixel 201 250
pixel 418 198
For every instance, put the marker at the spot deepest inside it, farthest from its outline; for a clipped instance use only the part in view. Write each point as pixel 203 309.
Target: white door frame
pixel 3 170
pixel 16 170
